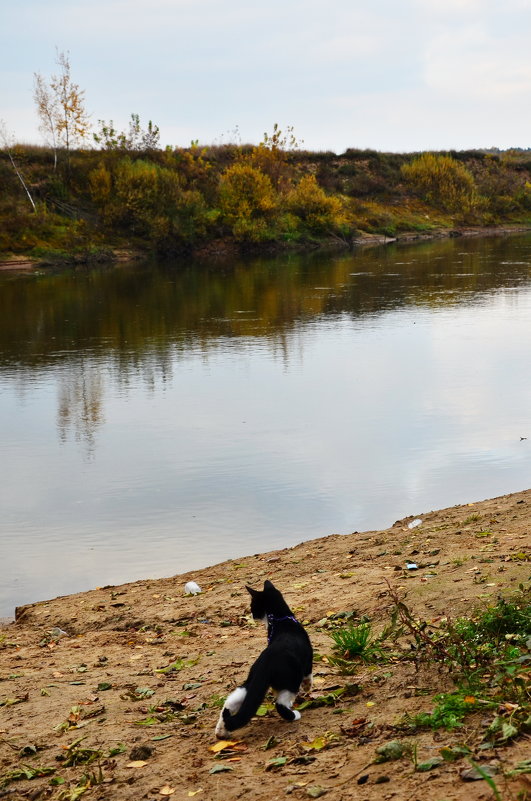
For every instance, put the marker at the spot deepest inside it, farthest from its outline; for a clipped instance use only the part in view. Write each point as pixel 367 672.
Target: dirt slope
pixel 107 680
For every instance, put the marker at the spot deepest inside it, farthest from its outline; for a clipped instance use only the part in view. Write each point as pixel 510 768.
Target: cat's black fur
pixel 285 665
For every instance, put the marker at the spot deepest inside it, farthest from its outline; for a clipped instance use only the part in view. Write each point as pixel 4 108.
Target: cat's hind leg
pixel 285 699
pixel 232 703
pixel 307 684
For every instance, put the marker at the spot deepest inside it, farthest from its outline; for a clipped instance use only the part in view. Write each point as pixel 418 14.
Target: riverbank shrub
pixel 505 191
pixel 487 656
pixel 150 201
pixel 248 203
pixel 273 157
pixel 318 212
pixel 443 182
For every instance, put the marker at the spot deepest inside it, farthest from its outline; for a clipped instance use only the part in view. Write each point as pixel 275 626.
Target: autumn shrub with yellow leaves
pixel 317 212
pixel 248 203
pixel 444 182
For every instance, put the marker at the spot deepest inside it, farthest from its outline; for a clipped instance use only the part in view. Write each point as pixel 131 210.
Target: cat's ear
pixel 251 591
pixel 268 585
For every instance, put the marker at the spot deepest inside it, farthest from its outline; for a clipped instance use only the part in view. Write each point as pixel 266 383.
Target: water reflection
pixel 131 312
pixel 80 402
pixel 164 416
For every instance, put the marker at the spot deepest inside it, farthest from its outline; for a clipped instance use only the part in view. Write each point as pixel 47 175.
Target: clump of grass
pixel 449 712
pixel 355 642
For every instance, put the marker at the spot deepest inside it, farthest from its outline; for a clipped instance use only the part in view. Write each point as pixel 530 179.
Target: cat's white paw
pixel 221 731
pixel 297 714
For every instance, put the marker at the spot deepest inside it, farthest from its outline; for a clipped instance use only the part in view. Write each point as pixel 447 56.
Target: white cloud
pixel 479 8
pixel 343 74
pixel 472 63
pixel 448 7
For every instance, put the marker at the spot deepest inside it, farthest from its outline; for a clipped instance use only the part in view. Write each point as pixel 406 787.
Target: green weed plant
pixel 488 657
pixel 355 643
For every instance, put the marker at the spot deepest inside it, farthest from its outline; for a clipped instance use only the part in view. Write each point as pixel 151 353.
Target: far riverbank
pixel 218 200
pixel 225 249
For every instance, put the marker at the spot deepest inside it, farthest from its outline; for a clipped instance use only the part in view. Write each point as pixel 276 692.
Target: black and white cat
pixel 285 665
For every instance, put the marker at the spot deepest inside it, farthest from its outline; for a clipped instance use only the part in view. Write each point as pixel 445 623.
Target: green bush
pixel 488 657
pixel 150 201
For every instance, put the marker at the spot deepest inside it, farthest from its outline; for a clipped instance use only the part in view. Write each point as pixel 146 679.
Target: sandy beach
pixel 137 672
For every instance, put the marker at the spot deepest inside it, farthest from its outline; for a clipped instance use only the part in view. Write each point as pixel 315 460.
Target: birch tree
pixel 6 140
pixel 61 106
pixel 47 111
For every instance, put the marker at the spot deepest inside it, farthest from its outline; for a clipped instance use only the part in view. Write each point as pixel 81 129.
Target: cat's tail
pixel 236 715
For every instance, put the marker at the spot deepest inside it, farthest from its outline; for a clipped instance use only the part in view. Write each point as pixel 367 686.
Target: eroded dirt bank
pixel 141 670
pixel 229 249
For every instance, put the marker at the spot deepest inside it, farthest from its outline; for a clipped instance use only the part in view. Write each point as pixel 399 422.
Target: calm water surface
pixel 162 417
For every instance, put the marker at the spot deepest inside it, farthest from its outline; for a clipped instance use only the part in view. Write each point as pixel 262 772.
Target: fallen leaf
pixel 478 772
pixel 12 701
pixel 240 746
pixel 276 762
pixel 394 749
pixel 356 727
pixel 508 731
pixel 434 762
pixel 315 791
pixel 317 744
pixel 220 768
pixel 191 793
pixel 454 752
pixel 138 763
pixel 263 709
pixel 509 707
pixel 270 743
pixel 166 790
pixel 222 744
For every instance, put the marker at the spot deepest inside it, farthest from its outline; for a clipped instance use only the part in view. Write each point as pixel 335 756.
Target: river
pixel 158 417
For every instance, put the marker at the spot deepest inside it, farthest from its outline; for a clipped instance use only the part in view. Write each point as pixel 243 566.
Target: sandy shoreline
pixel 57 688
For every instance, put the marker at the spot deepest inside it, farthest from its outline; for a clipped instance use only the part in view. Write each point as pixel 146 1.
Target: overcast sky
pixel 389 75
